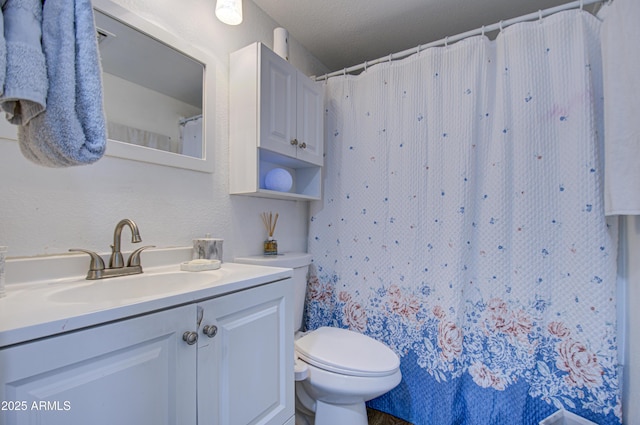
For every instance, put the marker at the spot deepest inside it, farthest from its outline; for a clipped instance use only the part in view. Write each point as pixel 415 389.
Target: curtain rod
pixel 480 31
pixel 183 121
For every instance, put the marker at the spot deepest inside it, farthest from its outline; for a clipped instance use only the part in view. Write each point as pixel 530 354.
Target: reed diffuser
pixel 270 221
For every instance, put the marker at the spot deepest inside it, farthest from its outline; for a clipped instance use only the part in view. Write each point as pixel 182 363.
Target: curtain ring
pixel 418 49
pixel 326 78
pixel 540 14
pixel 446 41
pixel 581 4
pixel 501 26
pixel 344 72
pixel 365 66
pixel 483 30
pixel 390 57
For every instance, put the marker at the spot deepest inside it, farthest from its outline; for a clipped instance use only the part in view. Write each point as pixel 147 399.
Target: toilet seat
pixel 346 352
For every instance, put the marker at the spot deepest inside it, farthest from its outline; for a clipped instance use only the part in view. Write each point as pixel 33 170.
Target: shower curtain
pixel 462 224
pixel 191 136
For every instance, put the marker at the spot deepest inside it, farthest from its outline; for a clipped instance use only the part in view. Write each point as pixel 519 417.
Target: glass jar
pixel 271 247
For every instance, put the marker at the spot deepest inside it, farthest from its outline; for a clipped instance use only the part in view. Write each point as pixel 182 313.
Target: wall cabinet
pixel 227 360
pixel 276 120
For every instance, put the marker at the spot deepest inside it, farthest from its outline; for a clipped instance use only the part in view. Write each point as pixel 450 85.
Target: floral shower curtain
pixel 462 224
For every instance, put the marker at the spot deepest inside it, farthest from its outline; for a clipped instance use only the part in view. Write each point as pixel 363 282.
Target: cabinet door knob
pixel 190 337
pixel 294 142
pixel 210 330
pixel 302 145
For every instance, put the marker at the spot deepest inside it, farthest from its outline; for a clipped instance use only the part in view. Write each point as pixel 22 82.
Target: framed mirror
pixel 158 92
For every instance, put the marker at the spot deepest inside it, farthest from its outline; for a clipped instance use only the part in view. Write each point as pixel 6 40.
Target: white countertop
pixel 36 310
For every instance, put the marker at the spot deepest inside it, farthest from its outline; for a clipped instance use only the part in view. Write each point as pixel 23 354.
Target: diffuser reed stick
pixel 270 221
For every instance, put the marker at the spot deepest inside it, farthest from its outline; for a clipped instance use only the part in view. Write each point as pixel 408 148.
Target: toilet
pixel 336 370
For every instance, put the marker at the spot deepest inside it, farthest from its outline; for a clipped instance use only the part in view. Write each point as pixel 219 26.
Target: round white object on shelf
pixel 278 179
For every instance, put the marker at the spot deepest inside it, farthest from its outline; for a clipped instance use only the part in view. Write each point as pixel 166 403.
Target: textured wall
pixel 47 211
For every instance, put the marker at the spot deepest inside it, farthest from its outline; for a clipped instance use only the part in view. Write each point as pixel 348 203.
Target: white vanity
pixel 163 347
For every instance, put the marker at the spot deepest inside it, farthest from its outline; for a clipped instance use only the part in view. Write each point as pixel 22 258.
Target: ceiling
pixel 342 33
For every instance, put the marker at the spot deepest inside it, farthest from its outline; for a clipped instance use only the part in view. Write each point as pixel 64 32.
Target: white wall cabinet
pixel 276 120
pixel 290 106
pixel 142 371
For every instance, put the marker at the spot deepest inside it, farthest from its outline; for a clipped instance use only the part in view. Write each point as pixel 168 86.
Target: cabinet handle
pixel 294 142
pixel 190 337
pixel 210 330
pixel 303 145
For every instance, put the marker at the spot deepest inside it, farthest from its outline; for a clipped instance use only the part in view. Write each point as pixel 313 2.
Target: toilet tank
pixel 299 262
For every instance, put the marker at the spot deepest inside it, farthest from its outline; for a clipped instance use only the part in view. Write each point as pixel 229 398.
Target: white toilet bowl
pixel 337 370
pixel 345 369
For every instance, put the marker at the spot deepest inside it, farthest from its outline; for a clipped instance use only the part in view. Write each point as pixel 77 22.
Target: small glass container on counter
pixel 271 247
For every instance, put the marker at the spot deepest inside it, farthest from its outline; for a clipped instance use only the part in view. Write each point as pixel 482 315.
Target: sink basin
pixel 138 286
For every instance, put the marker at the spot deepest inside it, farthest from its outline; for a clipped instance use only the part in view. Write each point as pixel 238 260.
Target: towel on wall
pixel 24 70
pixel 620 38
pixel 71 130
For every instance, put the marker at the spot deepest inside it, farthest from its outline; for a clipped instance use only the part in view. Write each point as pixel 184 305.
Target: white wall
pixel 630 273
pixel 47 211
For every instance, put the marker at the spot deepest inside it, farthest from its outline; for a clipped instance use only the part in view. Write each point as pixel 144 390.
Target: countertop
pixel 33 310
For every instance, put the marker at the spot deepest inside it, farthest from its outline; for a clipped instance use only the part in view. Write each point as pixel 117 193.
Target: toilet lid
pixel 347 352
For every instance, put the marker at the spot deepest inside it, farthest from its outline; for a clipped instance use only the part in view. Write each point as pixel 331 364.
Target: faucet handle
pixel 134 258
pixel 96 261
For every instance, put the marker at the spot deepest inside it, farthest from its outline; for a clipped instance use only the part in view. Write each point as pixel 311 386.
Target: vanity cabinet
pixel 136 371
pixel 245 364
pixel 222 361
pixel 276 121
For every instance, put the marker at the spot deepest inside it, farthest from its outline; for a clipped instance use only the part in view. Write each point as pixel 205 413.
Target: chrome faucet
pixel 116 260
pixel 97 269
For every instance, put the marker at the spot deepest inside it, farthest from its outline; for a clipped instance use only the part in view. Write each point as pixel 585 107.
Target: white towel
pixel 620 39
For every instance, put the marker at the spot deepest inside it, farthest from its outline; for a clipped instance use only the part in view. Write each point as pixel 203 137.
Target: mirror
pixel 157 92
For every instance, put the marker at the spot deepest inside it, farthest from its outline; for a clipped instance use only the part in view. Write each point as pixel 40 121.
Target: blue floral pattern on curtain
pixel 462 224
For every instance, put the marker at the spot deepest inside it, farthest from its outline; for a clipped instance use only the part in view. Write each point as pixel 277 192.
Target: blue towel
pixel 25 83
pixel 71 131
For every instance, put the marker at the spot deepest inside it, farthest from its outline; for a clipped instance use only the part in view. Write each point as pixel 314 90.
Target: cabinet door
pixel 309 120
pixel 277 103
pixel 245 371
pixel 136 371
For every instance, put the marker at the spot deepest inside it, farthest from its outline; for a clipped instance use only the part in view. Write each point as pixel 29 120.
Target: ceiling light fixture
pixel 229 11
